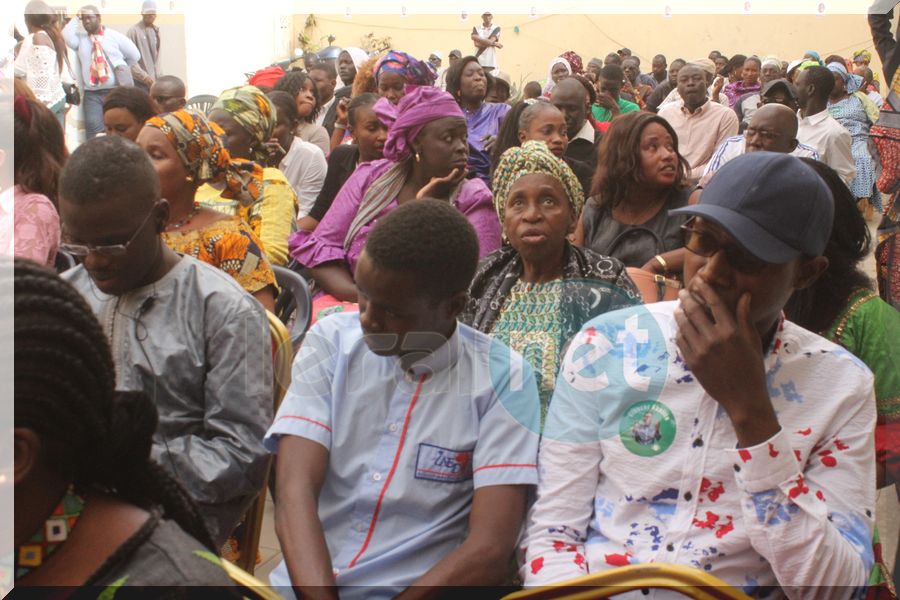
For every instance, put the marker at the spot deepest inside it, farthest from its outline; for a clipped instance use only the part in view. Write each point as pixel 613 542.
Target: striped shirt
pixel 735 146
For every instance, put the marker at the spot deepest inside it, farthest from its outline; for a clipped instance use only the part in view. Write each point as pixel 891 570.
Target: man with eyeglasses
pixel 183 332
pixel 762 468
pixel 772 128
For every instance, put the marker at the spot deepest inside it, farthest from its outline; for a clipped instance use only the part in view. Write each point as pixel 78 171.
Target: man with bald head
pixel 772 128
pixel 169 93
pixel 572 99
pixel 701 125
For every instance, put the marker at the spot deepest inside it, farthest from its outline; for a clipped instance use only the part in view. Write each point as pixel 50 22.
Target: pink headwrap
pixel 406 120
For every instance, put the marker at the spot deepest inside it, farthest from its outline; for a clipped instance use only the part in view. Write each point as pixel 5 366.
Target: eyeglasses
pixel 705 244
pixel 765 134
pixel 110 250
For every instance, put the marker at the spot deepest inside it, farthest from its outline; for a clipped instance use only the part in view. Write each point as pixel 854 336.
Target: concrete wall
pixel 527 54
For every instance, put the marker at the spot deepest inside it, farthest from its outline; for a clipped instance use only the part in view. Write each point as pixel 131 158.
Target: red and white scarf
pixel 99 66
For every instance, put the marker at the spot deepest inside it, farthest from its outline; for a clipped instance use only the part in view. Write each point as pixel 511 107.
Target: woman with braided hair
pixel 91 507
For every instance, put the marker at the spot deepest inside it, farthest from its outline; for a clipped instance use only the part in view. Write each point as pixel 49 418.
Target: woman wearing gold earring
pixel 187 152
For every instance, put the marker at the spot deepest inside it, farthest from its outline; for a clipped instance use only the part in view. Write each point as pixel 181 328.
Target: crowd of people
pixel 611 318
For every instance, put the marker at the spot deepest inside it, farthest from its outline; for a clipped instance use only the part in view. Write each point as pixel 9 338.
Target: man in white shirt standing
pixel 709 431
pixel 818 128
pixel 487 42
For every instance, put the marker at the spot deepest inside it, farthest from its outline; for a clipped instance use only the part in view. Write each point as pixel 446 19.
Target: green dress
pixel 870 329
pixel 530 323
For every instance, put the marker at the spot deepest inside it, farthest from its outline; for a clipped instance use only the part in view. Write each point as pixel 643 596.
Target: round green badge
pixel 647 428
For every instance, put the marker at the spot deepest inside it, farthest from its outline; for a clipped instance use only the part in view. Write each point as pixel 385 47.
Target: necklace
pixel 53 534
pixel 185 220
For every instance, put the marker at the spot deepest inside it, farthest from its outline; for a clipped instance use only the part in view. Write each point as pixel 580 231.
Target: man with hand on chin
pixel 762 467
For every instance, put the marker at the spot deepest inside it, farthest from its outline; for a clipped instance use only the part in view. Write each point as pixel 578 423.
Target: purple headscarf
pixel 406 120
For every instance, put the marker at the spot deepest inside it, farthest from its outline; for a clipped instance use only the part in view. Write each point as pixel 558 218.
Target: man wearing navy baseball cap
pixel 735 441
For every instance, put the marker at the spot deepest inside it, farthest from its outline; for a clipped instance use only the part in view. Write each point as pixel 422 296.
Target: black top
pixel 659 94
pixel 583 150
pixel 162 554
pixel 341 164
pixel 331 115
pixel 634 245
pixel 583 172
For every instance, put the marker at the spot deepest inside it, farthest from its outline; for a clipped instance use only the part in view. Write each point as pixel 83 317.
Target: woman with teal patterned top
pixel 535 292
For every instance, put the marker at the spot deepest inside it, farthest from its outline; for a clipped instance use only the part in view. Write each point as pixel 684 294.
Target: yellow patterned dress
pixel 273 218
pixel 229 245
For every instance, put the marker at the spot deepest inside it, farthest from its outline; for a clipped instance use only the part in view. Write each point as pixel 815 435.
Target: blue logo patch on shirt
pixel 442 464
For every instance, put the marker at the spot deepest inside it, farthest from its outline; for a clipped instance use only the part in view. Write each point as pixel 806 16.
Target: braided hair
pixel 64 392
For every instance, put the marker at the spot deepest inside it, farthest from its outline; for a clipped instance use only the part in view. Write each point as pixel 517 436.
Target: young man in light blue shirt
pixel 407 442
pixel 100 50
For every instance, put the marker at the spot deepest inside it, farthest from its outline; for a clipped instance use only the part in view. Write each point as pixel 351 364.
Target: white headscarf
pixel 358 55
pixel 556 61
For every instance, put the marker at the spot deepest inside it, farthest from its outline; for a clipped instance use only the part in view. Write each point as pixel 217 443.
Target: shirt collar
pixel 445 357
pixel 699 110
pixel 813 119
pixel 585 133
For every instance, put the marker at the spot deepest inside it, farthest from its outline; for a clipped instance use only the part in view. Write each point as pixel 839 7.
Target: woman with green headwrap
pixel 536 292
pixel 248 118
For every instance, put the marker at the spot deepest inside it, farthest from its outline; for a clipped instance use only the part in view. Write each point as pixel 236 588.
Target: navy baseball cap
pixel 776 207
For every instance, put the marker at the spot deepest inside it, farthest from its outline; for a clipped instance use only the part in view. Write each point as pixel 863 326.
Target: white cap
pixel 437 55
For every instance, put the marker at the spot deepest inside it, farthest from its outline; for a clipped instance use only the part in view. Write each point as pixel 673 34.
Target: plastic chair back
pixel 201 103
pixel 293 300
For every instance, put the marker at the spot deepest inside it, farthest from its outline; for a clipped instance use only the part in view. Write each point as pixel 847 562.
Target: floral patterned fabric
pixel 200 146
pixel 29 226
pixel 229 245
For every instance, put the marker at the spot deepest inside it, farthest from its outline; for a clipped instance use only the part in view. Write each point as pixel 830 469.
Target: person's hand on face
pixel 719 83
pixel 440 187
pixel 722 348
pixel 340 111
pixel 606 101
pixel 276 152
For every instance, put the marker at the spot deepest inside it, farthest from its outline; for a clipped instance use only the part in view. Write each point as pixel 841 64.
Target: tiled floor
pixel 269 550
pixel 887 511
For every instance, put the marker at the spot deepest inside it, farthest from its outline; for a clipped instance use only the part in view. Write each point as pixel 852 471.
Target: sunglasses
pixel 112 250
pixel 703 243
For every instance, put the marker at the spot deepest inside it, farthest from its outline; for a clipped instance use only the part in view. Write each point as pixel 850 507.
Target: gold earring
pixel 418 158
pixel 189 178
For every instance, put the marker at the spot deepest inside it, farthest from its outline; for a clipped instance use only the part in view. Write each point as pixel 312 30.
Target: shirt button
pixel 392 427
pixel 377 476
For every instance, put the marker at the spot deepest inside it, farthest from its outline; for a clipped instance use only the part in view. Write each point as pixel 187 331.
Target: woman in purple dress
pixel 467 83
pixel 425 155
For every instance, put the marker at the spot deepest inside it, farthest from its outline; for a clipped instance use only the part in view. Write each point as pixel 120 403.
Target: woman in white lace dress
pixel 41 58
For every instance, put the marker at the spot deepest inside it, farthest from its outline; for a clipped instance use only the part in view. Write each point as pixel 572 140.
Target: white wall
pixel 221 45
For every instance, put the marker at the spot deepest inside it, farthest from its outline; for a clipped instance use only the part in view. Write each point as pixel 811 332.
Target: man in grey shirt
pixel 180 330
pixel 145 35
